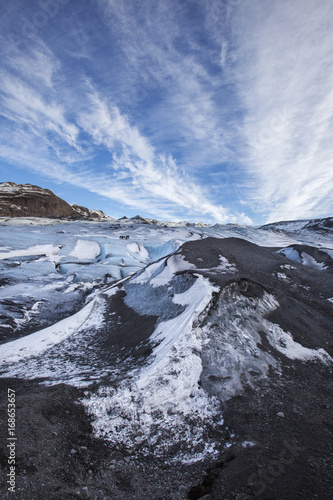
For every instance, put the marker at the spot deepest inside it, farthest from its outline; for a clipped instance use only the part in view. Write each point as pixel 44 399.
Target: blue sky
pixel 199 110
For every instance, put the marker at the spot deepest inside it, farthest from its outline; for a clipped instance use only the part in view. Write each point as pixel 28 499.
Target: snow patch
pixel 138 251
pixel 86 250
pixel 163 405
pixel 174 264
pixel 226 266
pixel 291 254
pixel 283 342
pixel 282 276
pixel 111 291
pixel 38 342
pixel 309 261
pixel 168 332
pixel 49 250
pixel 147 273
pixel 248 444
pixel 304 258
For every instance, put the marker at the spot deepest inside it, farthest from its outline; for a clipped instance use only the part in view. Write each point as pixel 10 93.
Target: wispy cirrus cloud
pixel 168 52
pixel 54 124
pixel 135 160
pixel 282 67
pixel 200 110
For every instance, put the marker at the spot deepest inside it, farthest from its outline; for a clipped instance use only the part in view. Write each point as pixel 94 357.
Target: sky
pixel 218 111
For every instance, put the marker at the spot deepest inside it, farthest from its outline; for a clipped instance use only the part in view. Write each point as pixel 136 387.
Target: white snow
pixel 287 266
pixel 163 271
pixel 8 187
pixel 80 286
pixel 226 266
pixel 283 342
pixel 304 258
pixel 282 276
pixel 168 332
pixel 157 404
pixel 111 291
pixel 37 343
pixel 147 273
pixel 174 264
pixel 86 250
pixel 309 261
pixel 48 250
pixel 138 251
pixel 291 254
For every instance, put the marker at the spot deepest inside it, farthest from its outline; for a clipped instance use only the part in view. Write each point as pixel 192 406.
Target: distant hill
pixel 27 200
pixel 325 225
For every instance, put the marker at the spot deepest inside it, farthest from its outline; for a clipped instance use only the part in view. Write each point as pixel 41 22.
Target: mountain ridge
pixel 28 200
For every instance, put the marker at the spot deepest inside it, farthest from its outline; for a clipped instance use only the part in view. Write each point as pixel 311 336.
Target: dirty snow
pixel 291 254
pixel 163 404
pixel 309 261
pixel 174 264
pixel 38 342
pixel 283 342
pixel 159 404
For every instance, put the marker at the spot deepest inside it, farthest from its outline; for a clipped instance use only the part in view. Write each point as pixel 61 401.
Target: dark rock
pixel 27 200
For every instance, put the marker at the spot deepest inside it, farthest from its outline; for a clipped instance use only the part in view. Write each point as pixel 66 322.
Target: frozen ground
pixel 163 327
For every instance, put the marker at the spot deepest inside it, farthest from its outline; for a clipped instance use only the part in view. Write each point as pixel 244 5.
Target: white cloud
pixel 150 175
pixel 235 110
pixel 65 118
pixel 41 137
pixel 24 105
pixel 161 49
pixel 283 72
pixel 37 63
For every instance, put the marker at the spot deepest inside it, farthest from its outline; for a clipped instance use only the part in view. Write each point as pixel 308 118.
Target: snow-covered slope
pixel 302 225
pixel 169 322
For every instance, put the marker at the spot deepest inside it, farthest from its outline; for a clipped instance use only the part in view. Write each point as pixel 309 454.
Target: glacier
pixel 163 330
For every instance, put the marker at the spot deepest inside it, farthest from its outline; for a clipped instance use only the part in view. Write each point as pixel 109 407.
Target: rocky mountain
pixel 27 200
pixel 323 225
pixel 87 212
